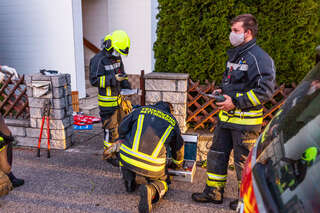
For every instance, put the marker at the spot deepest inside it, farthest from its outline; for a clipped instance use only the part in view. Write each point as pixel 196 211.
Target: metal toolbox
pixel 189 164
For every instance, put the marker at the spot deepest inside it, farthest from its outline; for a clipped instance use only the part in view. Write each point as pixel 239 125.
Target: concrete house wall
pixel 47 34
pixel 43 34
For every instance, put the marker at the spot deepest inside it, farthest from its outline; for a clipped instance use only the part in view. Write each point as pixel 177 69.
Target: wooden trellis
pixel 13 98
pixel 201 109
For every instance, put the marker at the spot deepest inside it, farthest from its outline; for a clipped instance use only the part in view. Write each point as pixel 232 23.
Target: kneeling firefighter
pixel 7 179
pixel 146 134
pixel 107 73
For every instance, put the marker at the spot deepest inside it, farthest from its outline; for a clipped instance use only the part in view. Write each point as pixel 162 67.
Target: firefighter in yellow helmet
pixel 107 73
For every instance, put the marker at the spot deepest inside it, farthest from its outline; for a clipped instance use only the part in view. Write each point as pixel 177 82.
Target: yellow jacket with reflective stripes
pixel 249 80
pixel 148 132
pixel 103 68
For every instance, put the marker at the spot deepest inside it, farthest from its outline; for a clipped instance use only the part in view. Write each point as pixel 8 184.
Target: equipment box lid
pixel 189 164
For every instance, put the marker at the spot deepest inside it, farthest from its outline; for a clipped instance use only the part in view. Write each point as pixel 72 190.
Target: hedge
pixel 193 35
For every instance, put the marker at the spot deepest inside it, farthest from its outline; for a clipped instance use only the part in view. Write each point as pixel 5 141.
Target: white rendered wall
pixel 134 17
pixel 40 34
pixel 95 23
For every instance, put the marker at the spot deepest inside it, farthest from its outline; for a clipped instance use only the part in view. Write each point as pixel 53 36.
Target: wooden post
pixel 75 101
pixel 143 91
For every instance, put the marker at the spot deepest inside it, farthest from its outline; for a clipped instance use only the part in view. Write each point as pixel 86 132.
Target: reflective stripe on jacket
pixel 249 80
pixel 148 132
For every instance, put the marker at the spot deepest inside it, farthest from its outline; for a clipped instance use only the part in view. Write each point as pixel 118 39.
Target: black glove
pixel 111 80
pixel 174 166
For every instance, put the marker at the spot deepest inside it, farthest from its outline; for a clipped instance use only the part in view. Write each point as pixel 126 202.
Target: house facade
pixel 47 34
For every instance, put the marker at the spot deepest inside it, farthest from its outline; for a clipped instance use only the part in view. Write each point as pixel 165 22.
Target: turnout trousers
pixel 224 141
pixel 160 183
pixel 110 122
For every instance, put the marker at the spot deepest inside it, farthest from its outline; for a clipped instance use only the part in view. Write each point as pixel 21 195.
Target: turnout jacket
pixel 249 79
pixel 148 132
pixel 103 68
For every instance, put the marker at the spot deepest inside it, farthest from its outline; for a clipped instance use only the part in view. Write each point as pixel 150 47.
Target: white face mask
pixel 236 39
pixel 115 53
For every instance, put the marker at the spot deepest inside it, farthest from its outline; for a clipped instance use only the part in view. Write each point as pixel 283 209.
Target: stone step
pixel 89 106
pixel 92 91
pixel 92 110
pixel 88 101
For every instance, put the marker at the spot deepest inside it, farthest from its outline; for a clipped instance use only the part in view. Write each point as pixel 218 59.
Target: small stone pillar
pixel 170 87
pixel 61 119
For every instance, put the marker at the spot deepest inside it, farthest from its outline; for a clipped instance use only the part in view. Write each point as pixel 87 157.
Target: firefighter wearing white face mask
pixel 107 73
pixel 248 82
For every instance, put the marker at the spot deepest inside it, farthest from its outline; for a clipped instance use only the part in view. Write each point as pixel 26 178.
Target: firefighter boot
pixel 16 182
pixel 209 194
pixel 234 204
pixel 147 193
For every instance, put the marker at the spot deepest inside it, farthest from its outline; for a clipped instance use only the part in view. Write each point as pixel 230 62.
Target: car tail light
pixel 246 189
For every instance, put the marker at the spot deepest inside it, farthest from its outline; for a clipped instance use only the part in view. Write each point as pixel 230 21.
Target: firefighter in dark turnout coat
pixel 107 73
pixel 248 81
pixel 147 133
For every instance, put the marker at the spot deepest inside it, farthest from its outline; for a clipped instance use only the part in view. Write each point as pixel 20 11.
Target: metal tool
pixel 45 114
pixel 217 96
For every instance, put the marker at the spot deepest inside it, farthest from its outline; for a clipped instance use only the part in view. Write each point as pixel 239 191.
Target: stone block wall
pixel 61 118
pixel 170 87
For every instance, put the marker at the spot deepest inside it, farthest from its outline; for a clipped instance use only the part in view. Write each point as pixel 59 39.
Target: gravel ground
pixel 77 180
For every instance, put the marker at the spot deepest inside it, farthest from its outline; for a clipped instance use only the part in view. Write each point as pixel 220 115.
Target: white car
pixel 282 172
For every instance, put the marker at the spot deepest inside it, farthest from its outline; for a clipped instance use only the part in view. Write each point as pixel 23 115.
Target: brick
pixel 58 80
pixel 180 109
pixel 181 120
pixel 33 122
pixel 58 114
pixel 54 124
pixel 166 75
pixel 182 86
pixel 54 134
pixel 17 131
pixel 35 112
pixel 69 100
pixel 158 84
pixel 29 91
pixel 38 102
pixel 59 92
pixel 68 90
pixel 69 111
pixel 17 122
pixel 40 77
pixel 54 144
pixel 59 134
pixel 35 92
pixel 35 133
pixel 28 80
pixel 68 78
pixel 153 96
pixel 175 97
pixel 55 113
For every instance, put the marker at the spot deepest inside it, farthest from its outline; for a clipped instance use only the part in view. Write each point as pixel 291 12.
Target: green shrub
pixel 193 35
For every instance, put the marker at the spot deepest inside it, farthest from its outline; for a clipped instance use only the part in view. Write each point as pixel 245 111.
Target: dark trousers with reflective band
pixel 160 183
pixel 224 141
pixel 110 122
